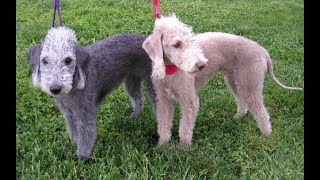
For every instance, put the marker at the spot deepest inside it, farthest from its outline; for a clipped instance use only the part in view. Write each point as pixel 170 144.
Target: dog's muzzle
pixel 200 65
pixel 55 89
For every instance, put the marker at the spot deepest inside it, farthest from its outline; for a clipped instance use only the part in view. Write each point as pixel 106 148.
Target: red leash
pixel 170 69
pixel 156 9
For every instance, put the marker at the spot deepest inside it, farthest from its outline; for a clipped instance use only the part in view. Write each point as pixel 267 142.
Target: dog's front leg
pixel 71 126
pixel 189 105
pixel 69 118
pixel 164 113
pixel 86 133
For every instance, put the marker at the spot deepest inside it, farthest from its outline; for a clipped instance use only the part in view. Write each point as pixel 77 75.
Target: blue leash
pixel 56 7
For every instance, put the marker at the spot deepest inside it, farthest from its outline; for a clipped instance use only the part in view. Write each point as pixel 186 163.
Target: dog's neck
pixel 170 67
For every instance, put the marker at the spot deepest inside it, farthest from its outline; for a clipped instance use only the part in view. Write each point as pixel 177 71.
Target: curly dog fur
pixel 241 61
pixel 79 78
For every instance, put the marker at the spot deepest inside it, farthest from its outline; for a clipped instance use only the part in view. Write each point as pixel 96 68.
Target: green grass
pixel 222 148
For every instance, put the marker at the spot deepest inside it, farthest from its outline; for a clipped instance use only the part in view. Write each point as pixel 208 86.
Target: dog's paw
pixel 239 115
pixel 266 133
pixel 83 158
pixel 162 143
pixel 135 114
pixel 185 144
pixel 86 159
pixel 83 155
pixel 265 129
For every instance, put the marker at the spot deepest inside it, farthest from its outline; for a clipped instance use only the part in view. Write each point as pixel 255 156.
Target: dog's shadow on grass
pixel 117 129
pixel 120 127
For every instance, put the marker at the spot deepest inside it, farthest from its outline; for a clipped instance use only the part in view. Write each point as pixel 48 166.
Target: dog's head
pixel 173 40
pixel 58 62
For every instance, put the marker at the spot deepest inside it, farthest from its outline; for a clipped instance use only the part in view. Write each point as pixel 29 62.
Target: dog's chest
pixel 169 93
pixel 170 88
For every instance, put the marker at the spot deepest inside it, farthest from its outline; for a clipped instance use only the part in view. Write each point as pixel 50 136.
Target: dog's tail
pixel 273 77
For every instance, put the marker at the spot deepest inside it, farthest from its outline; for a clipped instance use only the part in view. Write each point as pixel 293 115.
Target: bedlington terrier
pixel 241 61
pixel 79 78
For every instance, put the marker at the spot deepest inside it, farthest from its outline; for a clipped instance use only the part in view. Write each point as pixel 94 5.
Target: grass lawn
pixel 223 148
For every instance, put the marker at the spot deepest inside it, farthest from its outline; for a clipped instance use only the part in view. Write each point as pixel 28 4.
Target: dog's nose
pixel 55 89
pixel 200 65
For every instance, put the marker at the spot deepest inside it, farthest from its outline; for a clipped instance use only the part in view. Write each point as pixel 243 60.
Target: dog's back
pixel 227 52
pixel 225 47
pixel 122 52
pixel 115 58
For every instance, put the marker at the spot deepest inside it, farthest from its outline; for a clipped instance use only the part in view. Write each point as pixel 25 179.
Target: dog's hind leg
pixel 132 86
pixel 151 92
pixel 242 107
pixel 259 111
pixel 251 90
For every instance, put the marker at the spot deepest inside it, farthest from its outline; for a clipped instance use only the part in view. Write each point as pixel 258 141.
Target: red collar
pixel 171 69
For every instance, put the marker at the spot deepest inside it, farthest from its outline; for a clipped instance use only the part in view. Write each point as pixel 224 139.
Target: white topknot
pixel 171 22
pixel 59 41
pixel 61 33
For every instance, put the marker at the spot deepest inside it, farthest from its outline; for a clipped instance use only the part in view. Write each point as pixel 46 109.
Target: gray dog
pixel 79 78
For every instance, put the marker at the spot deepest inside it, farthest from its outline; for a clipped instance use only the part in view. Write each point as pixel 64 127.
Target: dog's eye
pixel 176 45
pixel 45 61
pixel 67 61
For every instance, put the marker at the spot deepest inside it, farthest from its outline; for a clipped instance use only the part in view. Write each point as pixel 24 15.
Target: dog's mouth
pixel 196 67
pixel 56 94
pixel 56 90
pixel 195 70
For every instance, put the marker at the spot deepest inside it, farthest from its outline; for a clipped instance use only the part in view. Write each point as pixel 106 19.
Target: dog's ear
pixel 153 46
pixel 33 59
pixel 83 58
